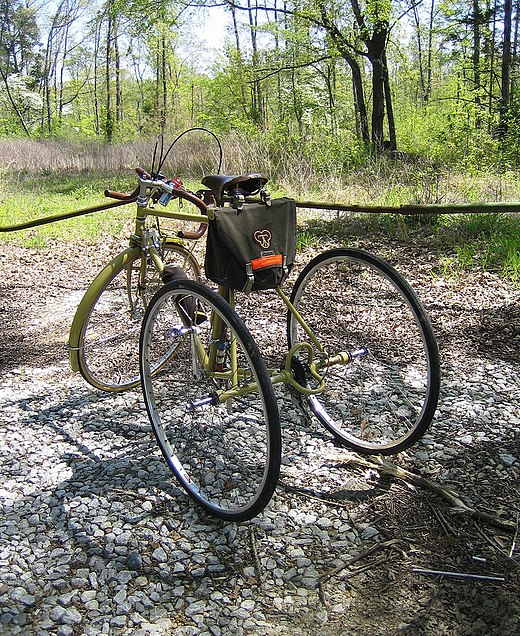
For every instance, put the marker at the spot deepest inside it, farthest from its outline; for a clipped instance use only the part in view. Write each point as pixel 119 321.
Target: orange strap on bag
pixel 262 262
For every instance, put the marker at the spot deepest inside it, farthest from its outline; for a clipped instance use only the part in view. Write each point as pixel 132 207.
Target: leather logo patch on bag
pixel 263 238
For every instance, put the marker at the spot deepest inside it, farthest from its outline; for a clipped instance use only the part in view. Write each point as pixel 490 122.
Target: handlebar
pixel 143 174
pixel 193 235
pixel 148 181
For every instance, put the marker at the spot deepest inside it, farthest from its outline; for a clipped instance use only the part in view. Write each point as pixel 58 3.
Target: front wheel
pixel 211 406
pixel 111 313
pixel 381 393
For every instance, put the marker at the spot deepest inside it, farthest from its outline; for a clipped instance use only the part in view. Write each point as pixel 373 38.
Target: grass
pixel 487 242
pixel 39 179
pixel 29 198
pixel 490 242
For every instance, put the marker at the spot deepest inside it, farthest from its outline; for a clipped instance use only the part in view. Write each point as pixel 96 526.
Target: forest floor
pixel 337 549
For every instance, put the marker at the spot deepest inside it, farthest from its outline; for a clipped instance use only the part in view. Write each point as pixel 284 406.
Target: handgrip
pixel 121 196
pixel 142 173
pixel 193 235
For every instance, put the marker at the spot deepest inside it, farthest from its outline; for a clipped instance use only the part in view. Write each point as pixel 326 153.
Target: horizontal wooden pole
pixel 61 217
pixel 434 208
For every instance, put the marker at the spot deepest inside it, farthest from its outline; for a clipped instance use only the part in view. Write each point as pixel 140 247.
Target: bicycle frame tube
pixel 316 369
pixel 285 376
pixel 301 321
pixel 144 212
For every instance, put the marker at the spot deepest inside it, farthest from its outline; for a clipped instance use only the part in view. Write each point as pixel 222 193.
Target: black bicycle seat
pixel 221 184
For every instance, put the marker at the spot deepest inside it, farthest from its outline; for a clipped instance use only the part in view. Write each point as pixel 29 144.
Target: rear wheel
pixel 109 342
pixel 226 453
pixel 383 399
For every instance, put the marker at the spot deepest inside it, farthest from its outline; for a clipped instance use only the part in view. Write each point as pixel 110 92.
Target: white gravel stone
pixel 100 540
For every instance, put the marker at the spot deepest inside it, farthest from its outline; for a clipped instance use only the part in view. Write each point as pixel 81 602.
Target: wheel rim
pixel 381 401
pixel 225 455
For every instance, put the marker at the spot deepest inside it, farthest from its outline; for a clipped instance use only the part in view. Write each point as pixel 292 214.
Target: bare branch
pixel 274 71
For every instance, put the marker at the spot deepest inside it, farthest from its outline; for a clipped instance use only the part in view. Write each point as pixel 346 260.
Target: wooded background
pixel 332 78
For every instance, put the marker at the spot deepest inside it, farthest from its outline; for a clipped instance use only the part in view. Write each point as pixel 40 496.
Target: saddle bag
pixel 252 248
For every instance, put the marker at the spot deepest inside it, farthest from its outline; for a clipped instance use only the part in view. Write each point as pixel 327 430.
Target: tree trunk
pixel 514 53
pixel 420 62
pixel 375 40
pixel 46 107
pixel 256 90
pixel 164 85
pixel 109 125
pixel 476 59
pixel 428 92
pixel 506 69
pixel 62 72
pixel 13 103
pixel 376 53
pixel 231 5
pixel 492 65
pixel 378 103
pixel 117 60
pixel 392 144
pixel 359 99
pixel 357 81
pixel 96 78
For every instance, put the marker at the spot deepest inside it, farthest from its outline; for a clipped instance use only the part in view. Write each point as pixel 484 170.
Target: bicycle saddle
pixel 221 184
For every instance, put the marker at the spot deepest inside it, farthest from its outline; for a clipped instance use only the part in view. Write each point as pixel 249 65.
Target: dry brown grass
pixel 380 181
pixel 194 154
pixel 52 156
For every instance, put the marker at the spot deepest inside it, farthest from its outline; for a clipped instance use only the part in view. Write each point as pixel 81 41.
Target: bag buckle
pixel 250 279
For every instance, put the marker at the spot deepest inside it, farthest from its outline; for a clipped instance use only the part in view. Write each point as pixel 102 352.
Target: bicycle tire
pixel 384 399
pixel 225 455
pixel 108 344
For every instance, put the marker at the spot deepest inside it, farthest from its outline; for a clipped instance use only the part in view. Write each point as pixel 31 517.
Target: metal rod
pixel 459 575
pixel 62 217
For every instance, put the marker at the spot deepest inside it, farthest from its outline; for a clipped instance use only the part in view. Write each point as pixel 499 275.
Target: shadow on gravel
pixel 25 339
pixel 493 333
pixel 95 533
pixel 115 536
pixel 497 332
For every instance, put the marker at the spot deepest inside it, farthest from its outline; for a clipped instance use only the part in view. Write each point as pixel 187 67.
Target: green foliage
pixel 307 237
pixel 490 242
pixel 38 197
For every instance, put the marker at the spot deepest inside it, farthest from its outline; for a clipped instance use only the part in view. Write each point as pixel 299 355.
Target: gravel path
pixel 96 538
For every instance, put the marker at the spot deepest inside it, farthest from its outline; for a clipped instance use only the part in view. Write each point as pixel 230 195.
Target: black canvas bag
pixel 252 248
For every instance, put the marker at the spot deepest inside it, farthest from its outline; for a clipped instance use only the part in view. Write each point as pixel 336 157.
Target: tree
pixel 367 39
pixel 506 69
pixel 18 37
pixel 58 47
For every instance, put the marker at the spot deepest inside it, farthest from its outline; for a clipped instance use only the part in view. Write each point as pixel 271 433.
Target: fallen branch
pixel 375 548
pixel 457 505
pixel 254 551
pixel 513 545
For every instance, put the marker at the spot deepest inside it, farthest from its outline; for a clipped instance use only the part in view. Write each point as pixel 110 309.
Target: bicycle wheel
pixel 108 349
pixel 226 454
pixel 385 397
